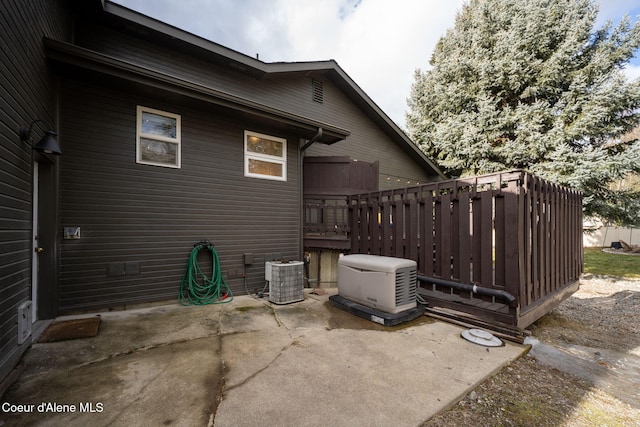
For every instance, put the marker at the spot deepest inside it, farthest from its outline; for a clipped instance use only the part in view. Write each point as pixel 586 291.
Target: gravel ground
pixel 598 327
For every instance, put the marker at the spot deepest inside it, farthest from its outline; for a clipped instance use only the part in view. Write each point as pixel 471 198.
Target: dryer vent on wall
pixel 25 321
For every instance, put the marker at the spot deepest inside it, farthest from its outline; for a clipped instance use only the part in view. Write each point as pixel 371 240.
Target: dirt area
pixel 594 339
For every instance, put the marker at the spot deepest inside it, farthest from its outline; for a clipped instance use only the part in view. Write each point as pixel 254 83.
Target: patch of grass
pixel 553 319
pixel 603 263
pixel 600 409
pixel 529 411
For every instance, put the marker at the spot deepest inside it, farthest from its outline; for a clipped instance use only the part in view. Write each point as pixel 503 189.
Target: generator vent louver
pixel 406 285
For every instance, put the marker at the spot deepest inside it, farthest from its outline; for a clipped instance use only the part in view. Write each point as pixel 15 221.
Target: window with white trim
pixel 158 138
pixel 265 156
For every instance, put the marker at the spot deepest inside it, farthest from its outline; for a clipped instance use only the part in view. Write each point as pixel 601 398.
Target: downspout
pixel 503 295
pixel 317 136
pixel 306 145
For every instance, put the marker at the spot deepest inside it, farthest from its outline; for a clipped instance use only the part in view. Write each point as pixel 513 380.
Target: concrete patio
pixel 250 363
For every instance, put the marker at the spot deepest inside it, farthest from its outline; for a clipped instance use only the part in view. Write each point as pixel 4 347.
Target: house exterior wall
pixel 288 92
pixel 367 142
pixel 27 93
pixel 147 218
pixel 139 223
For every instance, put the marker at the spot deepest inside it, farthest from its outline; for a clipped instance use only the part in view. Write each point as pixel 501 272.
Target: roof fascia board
pixel 259 67
pixel 95 61
pixel 184 36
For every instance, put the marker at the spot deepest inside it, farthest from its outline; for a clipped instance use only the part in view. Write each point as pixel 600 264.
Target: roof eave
pixel 259 69
pixel 238 61
pixel 90 60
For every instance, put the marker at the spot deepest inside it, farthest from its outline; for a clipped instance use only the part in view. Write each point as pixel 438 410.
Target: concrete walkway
pixel 250 363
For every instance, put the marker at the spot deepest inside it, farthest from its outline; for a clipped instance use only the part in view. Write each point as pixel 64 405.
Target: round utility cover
pixel 479 336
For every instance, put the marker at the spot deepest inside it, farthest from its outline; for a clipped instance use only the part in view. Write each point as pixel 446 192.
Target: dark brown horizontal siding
pixel 366 143
pixel 154 55
pixel 286 92
pixel 152 215
pixel 26 94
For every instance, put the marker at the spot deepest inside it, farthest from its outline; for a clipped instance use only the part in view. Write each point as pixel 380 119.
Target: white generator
pixel 383 283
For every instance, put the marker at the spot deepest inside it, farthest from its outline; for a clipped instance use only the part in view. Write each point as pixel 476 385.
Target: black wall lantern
pixel 48 144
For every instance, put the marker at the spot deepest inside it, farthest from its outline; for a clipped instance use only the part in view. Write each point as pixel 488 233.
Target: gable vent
pixel 318 91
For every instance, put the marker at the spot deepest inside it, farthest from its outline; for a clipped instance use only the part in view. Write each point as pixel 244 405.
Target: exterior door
pixel 37 249
pixel 43 265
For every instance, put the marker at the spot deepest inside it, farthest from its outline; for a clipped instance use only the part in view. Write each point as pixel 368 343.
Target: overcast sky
pixel 379 43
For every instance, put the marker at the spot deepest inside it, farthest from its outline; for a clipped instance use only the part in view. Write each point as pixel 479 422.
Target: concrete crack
pixel 144 348
pixel 275 316
pixel 258 372
pixel 220 392
pixel 140 393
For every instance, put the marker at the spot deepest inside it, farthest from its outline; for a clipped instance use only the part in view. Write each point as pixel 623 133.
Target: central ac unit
pixel 286 281
pixel 384 283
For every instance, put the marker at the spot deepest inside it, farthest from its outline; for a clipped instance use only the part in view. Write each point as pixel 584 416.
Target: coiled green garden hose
pixel 196 288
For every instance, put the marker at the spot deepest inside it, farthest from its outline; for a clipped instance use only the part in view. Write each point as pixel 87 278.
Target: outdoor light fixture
pixel 48 144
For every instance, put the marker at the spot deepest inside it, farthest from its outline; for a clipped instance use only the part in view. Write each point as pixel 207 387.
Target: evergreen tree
pixel 531 85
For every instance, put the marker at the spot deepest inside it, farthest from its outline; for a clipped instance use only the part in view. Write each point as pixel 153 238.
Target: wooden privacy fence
pixel 326 222
pixel 511 232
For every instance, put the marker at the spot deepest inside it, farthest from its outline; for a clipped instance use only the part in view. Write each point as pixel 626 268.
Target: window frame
pixel 249 155
pixel 140 110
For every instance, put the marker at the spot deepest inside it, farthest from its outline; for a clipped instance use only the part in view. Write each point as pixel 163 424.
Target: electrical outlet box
pixel 71 233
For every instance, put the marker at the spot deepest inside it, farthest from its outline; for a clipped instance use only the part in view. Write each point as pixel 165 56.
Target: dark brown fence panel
pixel 328 218
pixel 387 223
pixel 413 230
pixel 551 250
pixel 512 239
pixel 327 222
pixel 462 243
pixel 426 241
